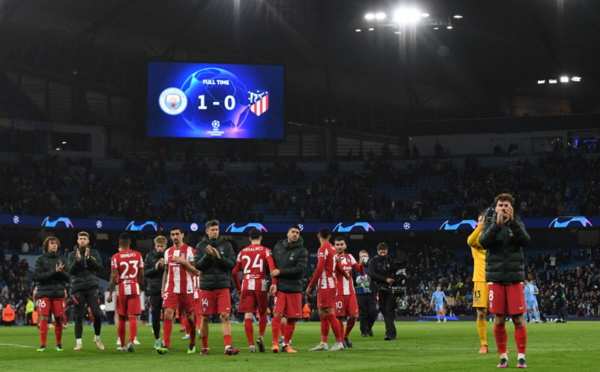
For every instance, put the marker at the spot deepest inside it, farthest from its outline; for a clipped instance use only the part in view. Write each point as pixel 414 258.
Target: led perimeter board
pixel 210 100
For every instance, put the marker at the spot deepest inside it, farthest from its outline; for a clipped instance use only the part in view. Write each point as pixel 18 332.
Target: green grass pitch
pixel 421 346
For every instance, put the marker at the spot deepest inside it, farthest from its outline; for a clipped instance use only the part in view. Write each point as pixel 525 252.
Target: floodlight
pixel 358 30
pixel 407 15
pixel 576 79
pixel 370 16
pixel 564 79
pixel 552 81
pixel 457 16
pixel 541 81
pixel 371 28
pixel 380 16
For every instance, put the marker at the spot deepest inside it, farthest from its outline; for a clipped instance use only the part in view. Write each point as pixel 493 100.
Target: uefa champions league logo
pixel 215 132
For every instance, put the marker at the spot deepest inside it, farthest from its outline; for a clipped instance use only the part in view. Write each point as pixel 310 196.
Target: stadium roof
pixel 488 64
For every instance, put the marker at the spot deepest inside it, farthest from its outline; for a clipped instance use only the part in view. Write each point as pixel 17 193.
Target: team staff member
pixel 83 264
pixel 291 258
pixel 388 300
pixel 51 277
pixel 215 259
pixel 481 291
pixel 365 296
pixel 154 268
pixel 504 238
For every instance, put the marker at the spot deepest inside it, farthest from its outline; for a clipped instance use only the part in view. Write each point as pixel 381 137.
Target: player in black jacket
pixel 154 267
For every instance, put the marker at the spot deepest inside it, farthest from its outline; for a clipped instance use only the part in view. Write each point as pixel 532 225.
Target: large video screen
pixel 208 100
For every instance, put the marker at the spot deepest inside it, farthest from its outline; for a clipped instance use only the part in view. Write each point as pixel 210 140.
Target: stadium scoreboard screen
pixel 207 100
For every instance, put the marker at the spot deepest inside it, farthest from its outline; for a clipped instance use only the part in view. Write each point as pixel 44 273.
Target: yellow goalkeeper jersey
pixel 478 255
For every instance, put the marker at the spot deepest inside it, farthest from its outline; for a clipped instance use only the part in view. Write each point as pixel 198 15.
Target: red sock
pixel 324 329
pixel 192 332
pixel 521 339
pixel 249 328
pixel 121 330
pixel 185 324
pixel 349 325
pixel 132 328
pixel 43 331
pixel 335 327
pixel 500 335
pixel 275 327
pixel 64 319
pixel 289 331
pixel 282 328
pixel 167 328
pixel 262 324
pixel 58 331
pixel 204 340
pixel 227 339
pixel 341 323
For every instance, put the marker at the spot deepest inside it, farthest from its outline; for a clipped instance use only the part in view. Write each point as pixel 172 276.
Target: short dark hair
pixel 294 227
pixel 324 232
pixel 339 239
pixel 124 238
pixel 255 234
pixel 212 223
pixel 382 246
pixel 176 228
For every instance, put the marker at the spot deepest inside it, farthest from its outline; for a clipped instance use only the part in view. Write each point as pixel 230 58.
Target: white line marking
pixel 22 346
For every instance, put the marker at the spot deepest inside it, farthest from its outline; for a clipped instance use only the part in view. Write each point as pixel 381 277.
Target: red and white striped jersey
pixel 326 267
pixel 128 264
pixel 179 280
pixel 253 259
pixel 345 286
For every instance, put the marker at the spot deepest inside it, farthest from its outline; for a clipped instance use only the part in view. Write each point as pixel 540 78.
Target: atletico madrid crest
pixel 259 101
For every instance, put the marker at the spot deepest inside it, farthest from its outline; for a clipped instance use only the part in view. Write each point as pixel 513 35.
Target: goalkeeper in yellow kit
pixel 480 286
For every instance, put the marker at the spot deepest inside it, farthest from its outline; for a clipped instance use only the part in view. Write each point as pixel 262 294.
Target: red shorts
pixel 129 305
pixel 197 305
pixel 505 298
pixel 250 300
pixel 346 305
pixel 215 301
pixel 326 297
pixel 182 301
pixel 289 304
pixel 54 305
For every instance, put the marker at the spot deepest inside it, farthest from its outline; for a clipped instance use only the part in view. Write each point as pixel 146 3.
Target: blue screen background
pixel 269 125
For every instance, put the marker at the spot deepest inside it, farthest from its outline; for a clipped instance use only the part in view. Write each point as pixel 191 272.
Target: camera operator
pixel 388 275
